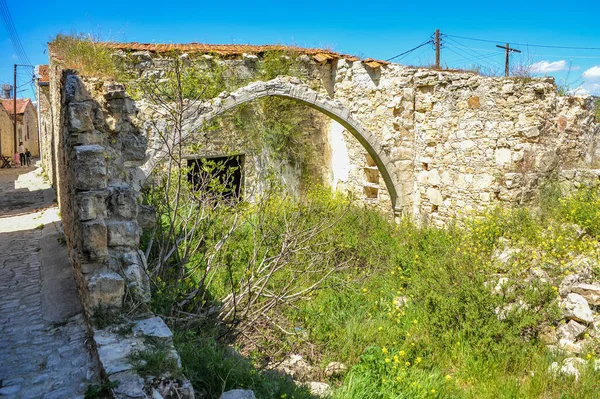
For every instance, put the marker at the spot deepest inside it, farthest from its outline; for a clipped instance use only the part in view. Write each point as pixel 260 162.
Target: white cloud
pixel 592 73
pixel 546 67
pixel 590 88
pixel 591 82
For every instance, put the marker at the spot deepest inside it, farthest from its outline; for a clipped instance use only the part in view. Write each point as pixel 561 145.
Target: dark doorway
pixel 221 177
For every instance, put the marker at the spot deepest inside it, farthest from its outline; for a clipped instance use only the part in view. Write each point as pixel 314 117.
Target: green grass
pixel 213 368
pixel 444 339
pixel 156 360
pixel 85 54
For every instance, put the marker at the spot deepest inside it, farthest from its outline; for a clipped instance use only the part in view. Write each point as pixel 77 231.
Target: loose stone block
pixel 94 240
pixel 576 308
pixel 90 164
pixel 91 204
pixel 138 282
pixel 134 146
pixel 106 289
pixel 74 89
pixel 129 385
pixel 154 327
pixel 81 117
pixel 122 202
pixel 590 292
pixel 112 90
pixel 123 233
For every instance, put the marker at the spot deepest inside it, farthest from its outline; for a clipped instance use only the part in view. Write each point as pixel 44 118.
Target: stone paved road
pixel 43 351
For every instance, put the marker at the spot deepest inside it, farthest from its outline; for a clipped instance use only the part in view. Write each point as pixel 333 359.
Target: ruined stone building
pixel 27 126
pixel 427 144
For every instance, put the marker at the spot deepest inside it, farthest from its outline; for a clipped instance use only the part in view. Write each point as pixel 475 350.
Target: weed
pixel 61 239
pixel 102 391
pixel 104 317
pixel 156 360
pixel 85 54
pixel 213 369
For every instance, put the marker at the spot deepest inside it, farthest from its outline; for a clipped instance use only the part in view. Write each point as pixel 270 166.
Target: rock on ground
pixel 238 394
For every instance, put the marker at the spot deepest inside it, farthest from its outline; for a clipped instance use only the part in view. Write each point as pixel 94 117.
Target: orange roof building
pixel 22 104
pixel 27 126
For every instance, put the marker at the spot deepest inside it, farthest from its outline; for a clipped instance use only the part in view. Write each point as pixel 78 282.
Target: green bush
pixel 415 312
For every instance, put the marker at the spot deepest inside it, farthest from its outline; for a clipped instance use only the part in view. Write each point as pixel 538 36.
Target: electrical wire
pixel 12 32
pixel 523 44
pixel 475 59
pixel 14 37
pixel 474 54
pixel 411 50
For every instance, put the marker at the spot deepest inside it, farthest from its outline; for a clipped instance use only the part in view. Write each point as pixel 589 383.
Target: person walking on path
pixel 22 154
pixel 27 157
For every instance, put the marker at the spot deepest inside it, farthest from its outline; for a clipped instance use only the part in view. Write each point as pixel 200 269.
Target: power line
pixel 525 44
pixel 412 49
pixel 12 33
pixel 474 61
pixel 472 55
pixel 473 51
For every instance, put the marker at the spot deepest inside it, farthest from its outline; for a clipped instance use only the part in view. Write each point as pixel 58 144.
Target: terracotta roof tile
pixel 319 55
pixel 21 105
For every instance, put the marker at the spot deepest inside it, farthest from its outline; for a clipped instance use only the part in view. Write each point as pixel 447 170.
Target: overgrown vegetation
pixel 156 361
pixel 84 53
pixel 102 391
pixel 412 310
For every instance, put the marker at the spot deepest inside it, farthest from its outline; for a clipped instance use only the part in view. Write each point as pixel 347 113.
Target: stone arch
pixel 291 88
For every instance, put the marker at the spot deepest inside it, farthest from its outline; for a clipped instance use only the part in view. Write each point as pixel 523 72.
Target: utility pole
pixel 437 49
pixel 15 108
pixel 508 51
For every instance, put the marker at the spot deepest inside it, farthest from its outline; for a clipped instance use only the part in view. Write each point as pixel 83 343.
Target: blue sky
pixel 379 29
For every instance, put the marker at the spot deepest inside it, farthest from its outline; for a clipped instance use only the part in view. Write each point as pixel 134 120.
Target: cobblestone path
pixel 43 351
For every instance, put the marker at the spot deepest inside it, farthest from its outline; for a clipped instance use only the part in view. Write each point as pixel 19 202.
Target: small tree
pixel 279 256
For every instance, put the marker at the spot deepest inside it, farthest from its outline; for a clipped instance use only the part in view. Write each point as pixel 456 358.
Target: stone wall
pixel 96 146
pixel 46 130
pixel 459 141
pixel 450 142
pixel 98 204
pixel 463 141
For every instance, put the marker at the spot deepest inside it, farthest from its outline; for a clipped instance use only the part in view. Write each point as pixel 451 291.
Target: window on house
pixel 220 177
pixel 27 135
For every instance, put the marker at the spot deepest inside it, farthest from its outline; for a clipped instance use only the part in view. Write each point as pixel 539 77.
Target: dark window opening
pixel 220 177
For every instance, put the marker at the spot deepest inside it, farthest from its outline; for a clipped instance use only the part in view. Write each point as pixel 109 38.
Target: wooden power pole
pixel 15 108
pixel 508 51
pixel 437 49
